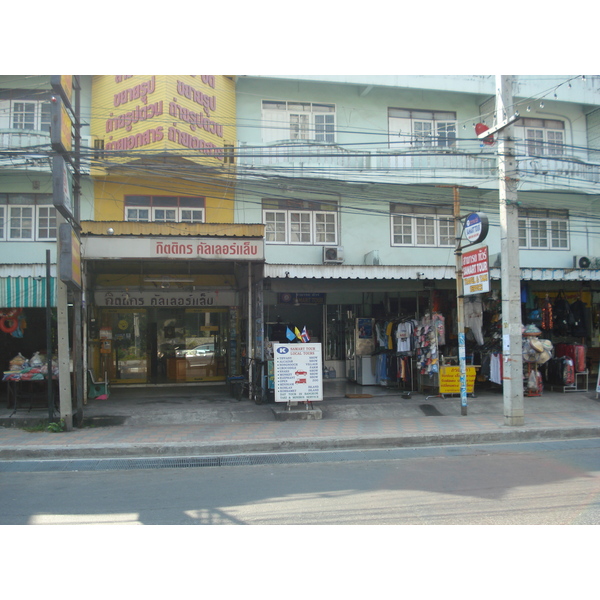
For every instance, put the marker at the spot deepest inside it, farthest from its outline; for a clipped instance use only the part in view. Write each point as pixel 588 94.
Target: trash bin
pixel 236 387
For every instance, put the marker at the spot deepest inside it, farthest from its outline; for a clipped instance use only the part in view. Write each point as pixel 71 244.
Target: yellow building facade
pixel 166 266
pixel 163 136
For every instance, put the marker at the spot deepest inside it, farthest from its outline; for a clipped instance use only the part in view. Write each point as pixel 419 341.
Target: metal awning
pixel 383 272
pixel 26 291
pixel 358 272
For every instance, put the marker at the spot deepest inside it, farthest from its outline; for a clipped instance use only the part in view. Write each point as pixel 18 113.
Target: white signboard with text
pixel 298 372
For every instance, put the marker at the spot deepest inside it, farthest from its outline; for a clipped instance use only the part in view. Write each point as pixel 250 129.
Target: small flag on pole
pixel 289 334
pixel 305 337
pixel 297 332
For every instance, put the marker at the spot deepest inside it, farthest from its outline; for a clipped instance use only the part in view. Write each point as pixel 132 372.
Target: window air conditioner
pixel 333 255
pixel 586 262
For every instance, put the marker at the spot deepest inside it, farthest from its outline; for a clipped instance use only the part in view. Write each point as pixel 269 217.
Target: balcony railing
pixel 19 139
pixel 414 166
pixel 25 149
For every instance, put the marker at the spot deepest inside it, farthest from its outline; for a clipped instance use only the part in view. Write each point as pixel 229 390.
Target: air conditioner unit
pixel 372 258
pixel 586 262
pixel 333 255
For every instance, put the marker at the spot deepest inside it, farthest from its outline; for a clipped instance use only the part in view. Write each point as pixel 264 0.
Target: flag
pixel 289 334
pixel 305 337
pixel 297 332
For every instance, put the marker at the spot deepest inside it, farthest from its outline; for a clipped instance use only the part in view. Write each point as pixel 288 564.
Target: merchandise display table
pixel 30 393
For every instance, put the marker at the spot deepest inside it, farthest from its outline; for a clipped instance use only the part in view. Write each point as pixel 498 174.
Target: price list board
pixel 298 372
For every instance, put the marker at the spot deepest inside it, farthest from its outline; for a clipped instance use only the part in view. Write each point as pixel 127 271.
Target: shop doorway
pixel 191 344
pixel 164 345
pixel 123 345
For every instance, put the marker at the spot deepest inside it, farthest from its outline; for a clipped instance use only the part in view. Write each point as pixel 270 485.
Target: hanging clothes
pixel 404 335
pixel 439 322
pixel 496 368
pixel 578 310
pixel 474 317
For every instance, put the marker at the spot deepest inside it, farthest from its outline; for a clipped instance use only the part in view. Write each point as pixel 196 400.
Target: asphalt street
pixel 535 483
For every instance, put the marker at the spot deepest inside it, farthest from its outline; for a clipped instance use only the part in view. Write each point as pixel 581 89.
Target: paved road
pixel 518 483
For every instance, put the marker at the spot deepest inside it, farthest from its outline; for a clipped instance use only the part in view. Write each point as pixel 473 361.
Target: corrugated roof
pixel 417 273
pixel 358 272
pixel 174 229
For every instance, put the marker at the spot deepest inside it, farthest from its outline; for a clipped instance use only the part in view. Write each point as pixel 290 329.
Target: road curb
pixel 305 444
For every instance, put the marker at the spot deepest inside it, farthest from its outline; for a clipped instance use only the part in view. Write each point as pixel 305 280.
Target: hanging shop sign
pixel 289 298
pixel 62 185
pixel 189 248
pixel 61 136
pixel 475 271
pixel 69 256
pixel 298 372
pixel 164 298
pixel 63 85
pixel 476 227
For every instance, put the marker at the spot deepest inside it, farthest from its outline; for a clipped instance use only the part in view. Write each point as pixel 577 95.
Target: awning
pixel 381 272
pixel 358 272
pixel 26 292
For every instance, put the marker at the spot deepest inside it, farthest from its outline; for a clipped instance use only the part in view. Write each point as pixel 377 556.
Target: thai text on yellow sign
pixel 450 380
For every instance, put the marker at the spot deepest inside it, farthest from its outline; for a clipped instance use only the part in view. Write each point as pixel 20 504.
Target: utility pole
pixel 512 377
pixel 460 305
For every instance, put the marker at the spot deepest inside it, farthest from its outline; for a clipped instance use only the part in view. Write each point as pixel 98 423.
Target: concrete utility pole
pixel 512 378
pixel 460 306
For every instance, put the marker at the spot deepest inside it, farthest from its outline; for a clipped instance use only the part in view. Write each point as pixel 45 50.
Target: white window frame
pixel 275 226
pixel 196 216
pixel 132 213
pixel 300 227
pixel 165 214
pixel 541 137
pixel 414 226
pixel 544 229
pixel 40 111
pixel 422 129
pixel 51 227
pixel 288 120
pixel 152 212
pixel 22 223
pixel 28 221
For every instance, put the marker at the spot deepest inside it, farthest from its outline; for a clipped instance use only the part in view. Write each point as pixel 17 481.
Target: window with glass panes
pixel 544 229
pixel 300 222
pixel 165 209
pixel 416 225
pixel 31 115
pixel 282 120
pixel 412 128
pixel 46 223
pixel 542 137
pixel 27 217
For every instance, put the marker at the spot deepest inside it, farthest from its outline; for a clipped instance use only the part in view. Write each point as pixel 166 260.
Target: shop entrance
pixel 164 345
pixel 123 345
pixel 191 344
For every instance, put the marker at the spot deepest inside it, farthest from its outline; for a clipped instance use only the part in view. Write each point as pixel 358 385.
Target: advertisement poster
pixel 298 372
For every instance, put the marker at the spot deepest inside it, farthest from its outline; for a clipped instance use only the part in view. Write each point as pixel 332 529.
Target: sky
pixel 314 37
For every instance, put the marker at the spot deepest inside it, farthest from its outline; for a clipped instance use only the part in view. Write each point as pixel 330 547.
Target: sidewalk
pixel 205 420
